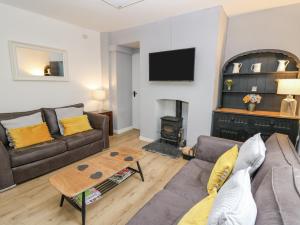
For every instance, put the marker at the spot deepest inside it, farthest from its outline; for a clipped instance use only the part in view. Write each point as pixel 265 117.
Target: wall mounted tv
pixel 176 65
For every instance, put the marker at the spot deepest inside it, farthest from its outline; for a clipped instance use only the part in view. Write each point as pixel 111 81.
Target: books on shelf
pixel 91 195
pixel 121 175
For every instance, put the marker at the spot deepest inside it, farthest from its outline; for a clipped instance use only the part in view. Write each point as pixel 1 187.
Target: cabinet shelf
pixel 262 73
pixel 248 92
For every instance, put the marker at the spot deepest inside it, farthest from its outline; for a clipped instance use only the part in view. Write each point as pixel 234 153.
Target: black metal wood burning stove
pixel 171 127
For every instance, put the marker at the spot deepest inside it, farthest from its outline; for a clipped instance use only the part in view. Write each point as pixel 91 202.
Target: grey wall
pixel 203 30
pixel 276 28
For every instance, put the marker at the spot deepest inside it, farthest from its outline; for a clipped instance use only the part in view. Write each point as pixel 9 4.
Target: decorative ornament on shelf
pixel 256 68
pixel 282 64
pixel 252 100
pixel 237 67
pixel 228 84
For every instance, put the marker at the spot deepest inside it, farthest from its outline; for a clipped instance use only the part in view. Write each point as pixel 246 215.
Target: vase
pixel 251 107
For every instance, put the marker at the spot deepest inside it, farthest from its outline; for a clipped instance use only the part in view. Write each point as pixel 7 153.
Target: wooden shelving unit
pixel 231 119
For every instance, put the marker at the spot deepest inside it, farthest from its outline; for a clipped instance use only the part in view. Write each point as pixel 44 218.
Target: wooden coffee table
pixel 95 172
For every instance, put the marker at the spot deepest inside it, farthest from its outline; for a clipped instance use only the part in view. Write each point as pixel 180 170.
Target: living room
pixel 110 116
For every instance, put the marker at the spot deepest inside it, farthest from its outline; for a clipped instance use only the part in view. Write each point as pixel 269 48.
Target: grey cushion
pixel 37 152
pixel 51 119
pixel 191 181
pixel 280 152
pixel 277 198
pixel 62 113
pixel 251 154
pixel 165 208
pixel 229 207
pixel 84 138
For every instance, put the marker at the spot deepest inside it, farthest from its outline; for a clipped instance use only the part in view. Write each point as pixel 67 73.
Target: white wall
pixel 276 28
pixel 202 30
pixel 83 58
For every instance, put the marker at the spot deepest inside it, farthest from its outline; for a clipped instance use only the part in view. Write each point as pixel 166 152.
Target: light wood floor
pixel 36 202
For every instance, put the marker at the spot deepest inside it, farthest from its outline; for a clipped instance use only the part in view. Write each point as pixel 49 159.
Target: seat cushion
pixel 37 152
pixel 191 181
pixel 165 208
pixel 84 138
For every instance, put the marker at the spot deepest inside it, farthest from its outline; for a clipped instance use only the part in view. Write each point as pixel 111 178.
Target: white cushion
pixel 62 113
pixel 19 122
pixel 251 154
pixel 234 204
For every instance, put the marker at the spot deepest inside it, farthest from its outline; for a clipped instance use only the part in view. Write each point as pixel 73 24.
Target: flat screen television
pixel 176 65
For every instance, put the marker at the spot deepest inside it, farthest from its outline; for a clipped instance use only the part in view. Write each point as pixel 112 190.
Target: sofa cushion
pixel 66 113
pixel 9 116
pixel 198 214
pixel 165 208
pixel 280 152
pixel 191 181
pixel 75 125
pixel 51 119
pixel 277 198
pixel 229 206
pixel 252 154
pixel 81 139
pixel 37 152
pixel 222 169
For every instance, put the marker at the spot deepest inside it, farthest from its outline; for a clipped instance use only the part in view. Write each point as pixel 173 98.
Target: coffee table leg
pixel 62 200
pixel 140 170
pixel 83 208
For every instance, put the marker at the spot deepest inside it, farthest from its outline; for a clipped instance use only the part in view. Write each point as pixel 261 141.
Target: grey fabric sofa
pixel 19 166
pixel 275 186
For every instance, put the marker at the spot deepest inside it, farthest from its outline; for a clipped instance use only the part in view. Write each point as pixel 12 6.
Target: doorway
pixel 125 86
pixel 136 89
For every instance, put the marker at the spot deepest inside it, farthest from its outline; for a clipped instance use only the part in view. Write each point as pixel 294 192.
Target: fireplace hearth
pixel 171 127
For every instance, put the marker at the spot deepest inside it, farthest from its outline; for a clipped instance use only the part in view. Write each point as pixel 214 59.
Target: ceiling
pixel 100 16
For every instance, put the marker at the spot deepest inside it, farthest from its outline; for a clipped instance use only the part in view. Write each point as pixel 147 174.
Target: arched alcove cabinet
pixel 231 119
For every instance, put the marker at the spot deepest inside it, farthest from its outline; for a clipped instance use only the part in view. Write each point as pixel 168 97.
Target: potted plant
pixel 228 84
pixel 252 100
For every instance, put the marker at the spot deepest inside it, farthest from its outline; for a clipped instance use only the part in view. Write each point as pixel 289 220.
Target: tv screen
pixel 176 65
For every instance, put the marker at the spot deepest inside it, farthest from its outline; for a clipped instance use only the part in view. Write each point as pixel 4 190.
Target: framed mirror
pixel 33 62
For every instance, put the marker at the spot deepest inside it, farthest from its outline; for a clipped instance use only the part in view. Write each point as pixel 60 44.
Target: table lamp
pixel 99 95
pixel 288 87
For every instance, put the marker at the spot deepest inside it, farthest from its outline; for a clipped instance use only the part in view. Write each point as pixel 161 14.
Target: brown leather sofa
pixel 275 186
pixel 19 166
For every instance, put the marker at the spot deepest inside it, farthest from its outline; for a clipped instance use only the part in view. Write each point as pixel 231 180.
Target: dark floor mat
pixel 163 148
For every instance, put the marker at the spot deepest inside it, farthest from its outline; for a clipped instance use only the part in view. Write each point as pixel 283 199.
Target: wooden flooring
pixel 37 203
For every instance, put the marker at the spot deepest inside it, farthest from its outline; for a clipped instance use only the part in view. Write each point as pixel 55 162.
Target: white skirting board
pixel 6 189
pixel 146 139
pixel 123 130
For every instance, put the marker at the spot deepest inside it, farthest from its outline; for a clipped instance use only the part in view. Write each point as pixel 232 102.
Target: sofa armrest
pixel 6 175
pixel 210 148
pixel 100 122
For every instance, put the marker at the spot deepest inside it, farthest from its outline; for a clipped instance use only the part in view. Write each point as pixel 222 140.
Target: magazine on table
pixel 121 175
pixel 91 195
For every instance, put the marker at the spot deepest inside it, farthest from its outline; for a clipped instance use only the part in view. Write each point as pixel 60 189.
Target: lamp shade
pixel 288 87
pixel 99 95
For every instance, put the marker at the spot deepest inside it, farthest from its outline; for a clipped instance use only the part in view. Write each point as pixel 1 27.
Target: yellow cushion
pixel 29 135
pixel 75 125
pixel 198 215
pixel 222 169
